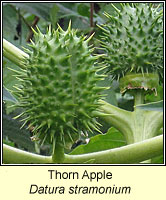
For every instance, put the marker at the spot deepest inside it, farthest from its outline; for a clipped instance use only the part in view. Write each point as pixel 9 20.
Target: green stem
pixel 146 124
pixel 14 155
pixel 119 118
pixel 58 150
pixel 136 126
pixel 13 53
pixel 138 98
pixel 133 153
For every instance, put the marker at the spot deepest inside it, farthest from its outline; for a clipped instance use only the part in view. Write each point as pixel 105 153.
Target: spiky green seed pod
pixel 58 89
pixel 133 40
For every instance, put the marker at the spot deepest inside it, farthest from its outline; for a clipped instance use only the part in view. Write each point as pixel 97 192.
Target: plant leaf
pixel 158 160
pixel 155 106
pixel 41 10
pixel 7 96
pixel 21 137
pixel 83 9
pixel 54 14
pixel 112 139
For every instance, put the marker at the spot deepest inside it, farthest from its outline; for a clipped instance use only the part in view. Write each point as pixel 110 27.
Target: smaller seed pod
pixel 133 40
pixel 58 88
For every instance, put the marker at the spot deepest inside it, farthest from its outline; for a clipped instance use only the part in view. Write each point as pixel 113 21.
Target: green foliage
pixel 54 15
pixel 39 9
pixel 158 160
pixel 7 96
pixel 155 106
pixel 13 135
pixel 112 139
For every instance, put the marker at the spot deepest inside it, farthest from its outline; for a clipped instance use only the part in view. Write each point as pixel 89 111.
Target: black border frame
pixel 164 142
